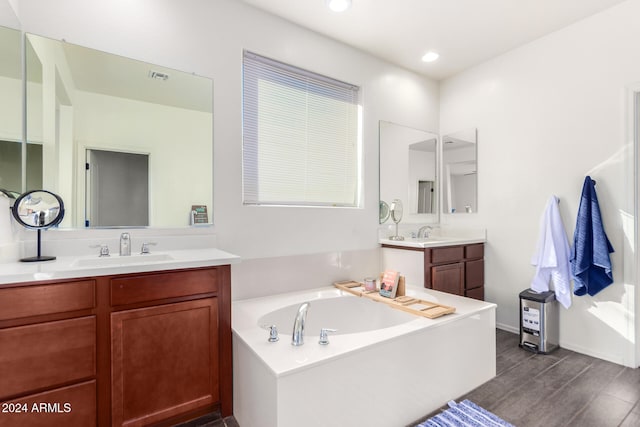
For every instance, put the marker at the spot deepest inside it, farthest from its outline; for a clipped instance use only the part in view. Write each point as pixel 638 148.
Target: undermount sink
pixel 121 260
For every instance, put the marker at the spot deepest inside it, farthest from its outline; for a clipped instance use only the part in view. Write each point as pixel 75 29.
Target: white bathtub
pixel 383 367
pixel 337 312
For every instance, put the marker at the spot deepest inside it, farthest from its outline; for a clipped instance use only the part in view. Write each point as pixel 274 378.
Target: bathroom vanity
pixel 455 266
pixel 150 345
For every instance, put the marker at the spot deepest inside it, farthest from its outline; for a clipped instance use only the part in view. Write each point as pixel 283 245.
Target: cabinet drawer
pixel 25 301
pixel 47 354
pixel 474 251
pixel 67 406
pixel 447 254
pixel 150 287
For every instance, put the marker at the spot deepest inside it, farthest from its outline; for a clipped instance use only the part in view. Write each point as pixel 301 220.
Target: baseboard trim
pixel 508 328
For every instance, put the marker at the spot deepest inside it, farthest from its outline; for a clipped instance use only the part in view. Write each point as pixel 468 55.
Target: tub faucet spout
pixel 298 325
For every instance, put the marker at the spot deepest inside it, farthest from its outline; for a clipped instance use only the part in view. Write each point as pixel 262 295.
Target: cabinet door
pixel 164 361
pixel 474 274
pixel 448 278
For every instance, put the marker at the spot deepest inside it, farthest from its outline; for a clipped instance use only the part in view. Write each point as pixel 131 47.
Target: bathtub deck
pixel 404 371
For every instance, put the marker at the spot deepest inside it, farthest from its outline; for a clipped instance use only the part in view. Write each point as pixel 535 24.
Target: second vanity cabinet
pixel 455 269
pixel 125 350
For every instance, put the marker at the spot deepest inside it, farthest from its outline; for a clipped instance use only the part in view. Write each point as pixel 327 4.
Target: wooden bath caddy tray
pixel 416 306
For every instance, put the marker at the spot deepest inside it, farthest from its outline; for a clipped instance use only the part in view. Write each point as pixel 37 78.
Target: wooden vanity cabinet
pixel 455 269
pixel 125 350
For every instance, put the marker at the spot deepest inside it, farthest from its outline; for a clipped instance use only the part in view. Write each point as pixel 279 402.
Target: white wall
pixel 8 16
pixel 207 37
pixel 548 114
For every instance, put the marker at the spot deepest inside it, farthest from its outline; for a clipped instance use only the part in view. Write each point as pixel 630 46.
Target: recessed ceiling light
pixel 430 56
pixel 338 5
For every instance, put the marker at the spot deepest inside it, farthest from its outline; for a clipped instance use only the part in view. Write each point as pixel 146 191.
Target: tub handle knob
pixel 324 335
pixel 273 333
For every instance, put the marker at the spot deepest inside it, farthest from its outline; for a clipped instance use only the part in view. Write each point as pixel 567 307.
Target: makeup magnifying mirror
pixel 38 210
pixel 396 216
pixel 384 212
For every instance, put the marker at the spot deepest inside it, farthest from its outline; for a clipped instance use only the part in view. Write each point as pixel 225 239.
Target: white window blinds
pixel 301 136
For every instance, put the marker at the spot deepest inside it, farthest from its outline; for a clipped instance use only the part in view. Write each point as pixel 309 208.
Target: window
pixel 301 137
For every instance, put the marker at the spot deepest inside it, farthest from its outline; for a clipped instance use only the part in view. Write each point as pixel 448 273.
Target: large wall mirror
pixel 11 155
pixel 408 170
pixel 120 135
pixel 460 172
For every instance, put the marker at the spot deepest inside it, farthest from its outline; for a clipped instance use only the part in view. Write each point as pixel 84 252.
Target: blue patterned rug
pixel 465 414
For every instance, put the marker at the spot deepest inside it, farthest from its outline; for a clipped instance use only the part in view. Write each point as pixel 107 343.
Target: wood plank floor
pixel 562 388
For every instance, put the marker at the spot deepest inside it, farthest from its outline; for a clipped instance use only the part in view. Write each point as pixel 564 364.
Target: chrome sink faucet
pixel 424 231
pixel 125 244
pixel 297 337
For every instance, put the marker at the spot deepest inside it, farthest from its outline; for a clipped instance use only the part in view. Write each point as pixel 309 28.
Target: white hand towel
pixel 552 255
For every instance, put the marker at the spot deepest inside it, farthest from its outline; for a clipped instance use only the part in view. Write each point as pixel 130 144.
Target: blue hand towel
pixel 590 262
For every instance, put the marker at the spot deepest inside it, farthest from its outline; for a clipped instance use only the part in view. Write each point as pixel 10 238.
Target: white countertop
pixel 432 242
pixel 68 267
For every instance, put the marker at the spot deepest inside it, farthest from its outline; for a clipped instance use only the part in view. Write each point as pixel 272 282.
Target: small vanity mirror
pixel 38 210
pixel 396 216
pixel 460 172
pixel 396 211
pixel 11 147
pixel 408 170
pixel 384 212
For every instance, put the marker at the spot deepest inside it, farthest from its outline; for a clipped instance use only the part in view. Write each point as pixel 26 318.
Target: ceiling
pixel 464 32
